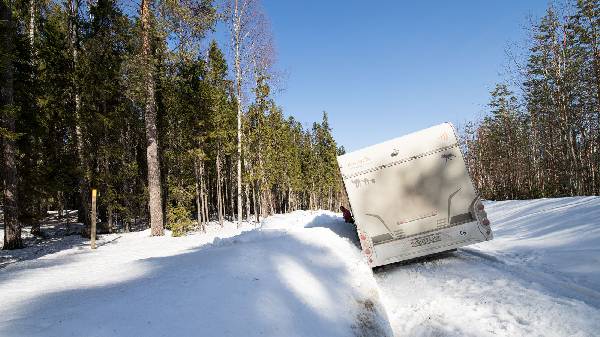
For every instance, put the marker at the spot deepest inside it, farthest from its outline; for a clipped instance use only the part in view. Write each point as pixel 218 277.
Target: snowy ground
pixel 279 280
pixel 301 274
pixel 540 276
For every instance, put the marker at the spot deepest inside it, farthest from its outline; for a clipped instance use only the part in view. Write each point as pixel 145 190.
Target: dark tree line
pixel 545 141
pixel 130 98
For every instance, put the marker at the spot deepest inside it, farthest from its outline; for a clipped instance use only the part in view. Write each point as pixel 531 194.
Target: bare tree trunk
pixel 154 185
pixel 205 205
pixel 59 200
pixel 12 227
pixel 225 193
pixel 199 198
pixel 264 201
pixel 110 218
pixel 271 202
pixel 198 206
pixel 211 192
pixel 237 41
pixel 38 214
pixel 219 198
pixel 255 200
pixel 290 203
pixel 232 199
pixel 247 201
pixel 82 179
pixel 204 192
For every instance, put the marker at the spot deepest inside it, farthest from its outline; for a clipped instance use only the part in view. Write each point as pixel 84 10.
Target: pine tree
pixel 154 183
pixel 12 227
pixel 105 111
pixel 93 92
pixel 220 131
pixel 550 148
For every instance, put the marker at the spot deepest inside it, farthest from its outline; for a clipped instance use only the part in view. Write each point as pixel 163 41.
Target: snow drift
pixel 279 280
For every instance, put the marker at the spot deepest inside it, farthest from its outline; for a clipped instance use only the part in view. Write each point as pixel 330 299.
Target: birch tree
pixel 12 227
pixel 248 34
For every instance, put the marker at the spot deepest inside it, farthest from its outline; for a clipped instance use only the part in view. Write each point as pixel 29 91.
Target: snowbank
pixel 538 277
pixel 281 280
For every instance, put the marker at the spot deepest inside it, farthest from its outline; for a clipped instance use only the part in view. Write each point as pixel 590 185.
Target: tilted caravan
pixel 413 196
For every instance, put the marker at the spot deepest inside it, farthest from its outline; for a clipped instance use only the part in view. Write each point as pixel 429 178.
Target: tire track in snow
pixel 554 281
pixel 464 294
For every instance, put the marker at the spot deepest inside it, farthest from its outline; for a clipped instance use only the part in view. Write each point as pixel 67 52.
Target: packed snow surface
pixel 301 274
pixel 292 277
pixel 540 276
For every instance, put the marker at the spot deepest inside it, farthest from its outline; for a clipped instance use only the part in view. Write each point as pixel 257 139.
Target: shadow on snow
pixel 267 287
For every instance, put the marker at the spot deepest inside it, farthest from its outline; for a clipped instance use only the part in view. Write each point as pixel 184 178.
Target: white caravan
pixel 413 196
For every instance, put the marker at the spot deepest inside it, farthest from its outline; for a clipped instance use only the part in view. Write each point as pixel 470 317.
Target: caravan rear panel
pixel 413 196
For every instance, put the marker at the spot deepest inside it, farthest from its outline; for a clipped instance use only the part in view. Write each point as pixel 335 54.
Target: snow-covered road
pixel 291 277
pixel 301 274
pixel 538 277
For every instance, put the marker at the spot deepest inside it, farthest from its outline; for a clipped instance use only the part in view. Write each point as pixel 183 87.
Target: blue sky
pixel 382 69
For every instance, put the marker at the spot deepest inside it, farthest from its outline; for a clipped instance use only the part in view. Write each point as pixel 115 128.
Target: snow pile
pixel 290 278
pixel 312 219
pixel 538 277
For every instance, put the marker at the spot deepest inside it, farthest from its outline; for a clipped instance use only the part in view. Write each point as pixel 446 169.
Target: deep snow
pixel 279 280
pixel 538 277
pixel 301 274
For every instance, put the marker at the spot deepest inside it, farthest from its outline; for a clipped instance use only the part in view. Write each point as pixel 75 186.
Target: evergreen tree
pixel 88 94
pixel 551 147
pixel 12 227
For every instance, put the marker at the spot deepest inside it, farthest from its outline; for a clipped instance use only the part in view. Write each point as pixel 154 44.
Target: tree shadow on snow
pixel 267 284
pixel 337 225
pixel 36 247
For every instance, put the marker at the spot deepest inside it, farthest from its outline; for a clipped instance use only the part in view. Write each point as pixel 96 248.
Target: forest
pixel 540 136
pixel 175 128
pixel 135 99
